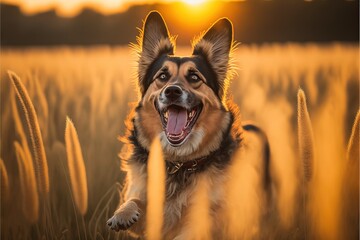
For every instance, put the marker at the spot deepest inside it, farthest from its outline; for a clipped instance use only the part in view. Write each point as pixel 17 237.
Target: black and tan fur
pixel 198 82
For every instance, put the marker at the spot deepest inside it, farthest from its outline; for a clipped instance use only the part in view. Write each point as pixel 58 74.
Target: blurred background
pixel 114 22
pixel 74 60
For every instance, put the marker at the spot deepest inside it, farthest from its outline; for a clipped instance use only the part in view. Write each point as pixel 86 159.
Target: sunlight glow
pixel 196 13
pixel 194 2
pixel 67 8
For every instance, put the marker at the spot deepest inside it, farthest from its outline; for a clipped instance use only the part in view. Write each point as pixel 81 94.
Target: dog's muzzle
pixel 178 113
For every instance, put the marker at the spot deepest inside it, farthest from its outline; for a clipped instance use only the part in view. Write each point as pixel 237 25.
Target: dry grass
pixel 29 192
pixel 76 167
pixel 35 133
pixel 352 153
pixel 155 191
pixel 4 182
pixel 200 209
pixel 94 86
pixel 305 135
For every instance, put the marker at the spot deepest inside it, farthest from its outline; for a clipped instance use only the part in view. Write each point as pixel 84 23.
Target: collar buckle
pixel 174 167
pixel 193 167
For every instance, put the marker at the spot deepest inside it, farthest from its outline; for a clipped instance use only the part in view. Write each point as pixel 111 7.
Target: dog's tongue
pixel 176 120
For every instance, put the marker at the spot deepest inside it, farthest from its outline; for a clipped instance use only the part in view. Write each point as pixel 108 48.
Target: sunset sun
pixel 194 2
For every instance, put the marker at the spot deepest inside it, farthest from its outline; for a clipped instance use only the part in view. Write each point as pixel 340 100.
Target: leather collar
pixel 189 166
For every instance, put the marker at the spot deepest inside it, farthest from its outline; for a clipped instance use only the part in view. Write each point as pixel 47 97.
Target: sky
pixel 73 7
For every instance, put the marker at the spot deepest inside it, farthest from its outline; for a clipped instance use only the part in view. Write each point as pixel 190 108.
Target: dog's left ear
pixel 154 41
pixel 215 46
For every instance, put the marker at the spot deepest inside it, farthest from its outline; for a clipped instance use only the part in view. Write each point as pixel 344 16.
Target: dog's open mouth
pixel 178 122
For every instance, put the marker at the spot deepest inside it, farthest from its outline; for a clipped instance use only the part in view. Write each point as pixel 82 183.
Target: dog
pixel 184 102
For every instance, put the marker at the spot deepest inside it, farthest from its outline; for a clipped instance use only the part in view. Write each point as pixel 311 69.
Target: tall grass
pixel 29 196
pixel 352 153
pixel 76 167
pixel 244 198
pixel 350 184
pixel 4 182
pixel 200 209
pixel 305 137
pixel 35 133
pixel 94 86
pixel 155 191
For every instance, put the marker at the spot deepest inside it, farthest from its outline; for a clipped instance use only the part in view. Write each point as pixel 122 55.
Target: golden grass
pixel 200 209
pixel 350 185
pixel 4 182
pixel 19 128
pixel 155 191
pixel 305 137
pixel 29 196
pixel 244 200
pixel 35 133
pixel 76 167
pixel 94 86
pixel 352 153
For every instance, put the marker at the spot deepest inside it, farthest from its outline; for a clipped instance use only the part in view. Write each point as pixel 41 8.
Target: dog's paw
pixel 125 216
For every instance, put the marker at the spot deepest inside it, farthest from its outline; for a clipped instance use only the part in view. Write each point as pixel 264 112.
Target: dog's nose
pixel 173 92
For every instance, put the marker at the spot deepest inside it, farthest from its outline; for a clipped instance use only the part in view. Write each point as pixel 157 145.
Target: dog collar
pixel 189 166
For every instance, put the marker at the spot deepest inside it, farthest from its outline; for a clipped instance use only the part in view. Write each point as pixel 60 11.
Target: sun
pixel 194 2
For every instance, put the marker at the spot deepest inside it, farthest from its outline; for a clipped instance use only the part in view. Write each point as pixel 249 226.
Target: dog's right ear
pixel 154 41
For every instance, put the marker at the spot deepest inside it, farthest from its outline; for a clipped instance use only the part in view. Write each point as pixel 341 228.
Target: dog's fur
pixel 199 82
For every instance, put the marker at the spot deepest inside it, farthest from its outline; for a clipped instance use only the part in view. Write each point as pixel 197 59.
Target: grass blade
pixel 4 181
pixel 30 199
pixel 155 191
pixel 353 145
pixel 200 212
pixel 76 167
pixel 35 133
pixel 305 135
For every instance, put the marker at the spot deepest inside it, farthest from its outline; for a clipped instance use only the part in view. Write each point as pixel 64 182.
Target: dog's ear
pixel 154 41
pixel 215 46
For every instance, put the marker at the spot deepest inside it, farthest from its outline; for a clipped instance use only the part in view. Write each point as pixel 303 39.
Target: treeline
pixel 254 22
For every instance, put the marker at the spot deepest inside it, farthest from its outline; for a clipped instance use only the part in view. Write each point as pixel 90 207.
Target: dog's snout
pixel 173 92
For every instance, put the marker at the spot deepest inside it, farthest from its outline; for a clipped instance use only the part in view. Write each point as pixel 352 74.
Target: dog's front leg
pixel 131 214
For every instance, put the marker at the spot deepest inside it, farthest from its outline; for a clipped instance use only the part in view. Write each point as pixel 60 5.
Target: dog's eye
pixel 163 76
pixel 194 77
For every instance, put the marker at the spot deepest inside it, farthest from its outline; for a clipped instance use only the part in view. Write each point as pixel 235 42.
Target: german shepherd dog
pixel 184 103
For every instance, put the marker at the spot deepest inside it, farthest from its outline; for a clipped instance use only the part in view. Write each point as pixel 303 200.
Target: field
pixel 94 87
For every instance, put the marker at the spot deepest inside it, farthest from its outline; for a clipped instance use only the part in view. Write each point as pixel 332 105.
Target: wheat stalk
pixel 19 128
pixel 43 109
pixel 244 198
pixel 353 145
pixel 42 99
pixel 155 191
pixel 18 124
pixel 305 136
pixel 35 133
pixel 76 167
pixel 30 199
pixel 4 181
pixel 200 212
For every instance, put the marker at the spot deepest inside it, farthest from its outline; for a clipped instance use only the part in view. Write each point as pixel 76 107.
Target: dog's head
pixel 182 98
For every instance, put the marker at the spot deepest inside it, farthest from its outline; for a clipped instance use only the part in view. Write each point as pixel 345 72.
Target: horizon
pixel 70 9
pixel 254 23
pixel 108 7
